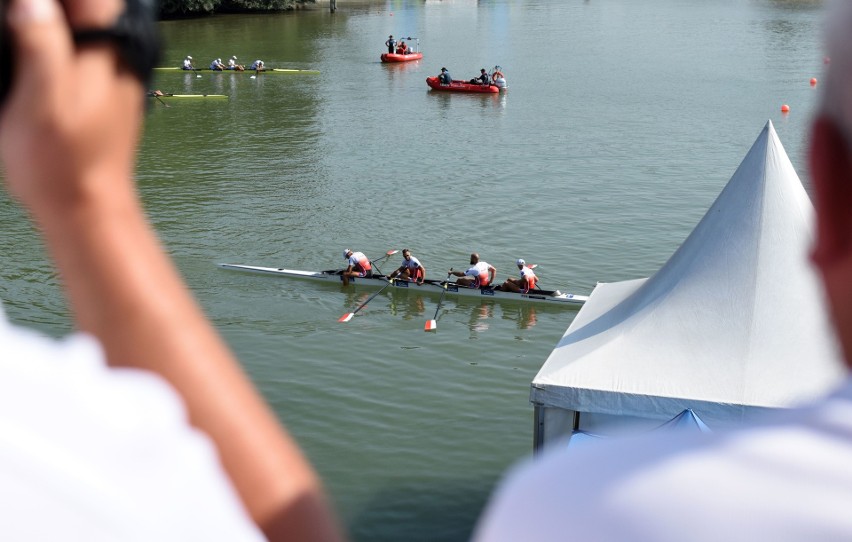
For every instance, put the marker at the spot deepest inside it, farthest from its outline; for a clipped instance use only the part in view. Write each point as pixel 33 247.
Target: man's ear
pixel 831 174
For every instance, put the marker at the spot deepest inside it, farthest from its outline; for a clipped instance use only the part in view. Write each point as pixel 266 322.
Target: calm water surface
pixel 622 123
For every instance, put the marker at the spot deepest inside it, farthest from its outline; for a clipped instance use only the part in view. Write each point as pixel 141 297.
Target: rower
pixel 257 65
pixel 480 273
pixel 524 283
pixel 217 65
pixel 359 266
pixel 232 64
pixel 187 63
pixel 411 268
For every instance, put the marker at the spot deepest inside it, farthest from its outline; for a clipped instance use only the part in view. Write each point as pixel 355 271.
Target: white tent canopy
pixel 733 323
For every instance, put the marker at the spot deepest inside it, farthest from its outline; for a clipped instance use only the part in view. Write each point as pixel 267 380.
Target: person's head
pixel 482 70
pixel 406 254
pixel 521 263
pixel 831 174
pixel 390 37
pixel 474 258
pixel 233 58
pixel 188 57
pixel 346 253
pixel 443 70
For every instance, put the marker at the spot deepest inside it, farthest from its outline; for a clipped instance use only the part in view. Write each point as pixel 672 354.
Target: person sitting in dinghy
pixel 444 77
pixel 483 78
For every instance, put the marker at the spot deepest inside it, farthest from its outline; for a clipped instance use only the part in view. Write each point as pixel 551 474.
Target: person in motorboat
pixel 187 63
pixel 479 274
pixel 523 283
pixel 483 78
pixel 390 44
pixel 217 65
pixel 402 48
pixel 497 78
pixel 411 268
pixel 257 65
pixel 444 77
pixel 232 64
pixel 359 266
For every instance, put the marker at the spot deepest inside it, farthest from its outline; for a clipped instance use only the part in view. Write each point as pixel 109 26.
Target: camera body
pixel 5 54
pixel 134 34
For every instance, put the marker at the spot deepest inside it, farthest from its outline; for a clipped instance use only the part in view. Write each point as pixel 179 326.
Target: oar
pixel 432 324
pixel 387 255
pixel 348 316
pixel 197 75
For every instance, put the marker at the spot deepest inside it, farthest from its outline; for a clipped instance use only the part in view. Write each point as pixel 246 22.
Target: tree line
pixel 170 9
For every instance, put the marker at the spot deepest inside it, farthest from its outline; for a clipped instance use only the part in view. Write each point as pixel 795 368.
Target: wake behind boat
pixel 429 286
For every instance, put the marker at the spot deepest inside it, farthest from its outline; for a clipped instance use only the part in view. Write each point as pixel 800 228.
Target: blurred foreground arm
pixel 68 135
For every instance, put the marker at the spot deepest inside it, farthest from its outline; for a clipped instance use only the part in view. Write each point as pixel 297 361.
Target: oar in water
pixel 348 316
pixel 432 324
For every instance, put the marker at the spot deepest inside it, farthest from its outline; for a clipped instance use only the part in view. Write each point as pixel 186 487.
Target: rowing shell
pixel 168 96
pixel 430 286
pixel 253 72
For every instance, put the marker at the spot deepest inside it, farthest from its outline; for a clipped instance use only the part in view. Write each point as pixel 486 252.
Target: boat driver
pixel 444 77
pixel 524 283
pixel 359 266
pixel 411 268
pixel 479 275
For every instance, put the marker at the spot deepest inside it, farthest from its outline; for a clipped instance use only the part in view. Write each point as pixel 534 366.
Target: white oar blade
pixel 346 317
pixel 431 325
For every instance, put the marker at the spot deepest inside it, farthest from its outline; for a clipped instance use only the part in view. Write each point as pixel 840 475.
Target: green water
pixel 622 123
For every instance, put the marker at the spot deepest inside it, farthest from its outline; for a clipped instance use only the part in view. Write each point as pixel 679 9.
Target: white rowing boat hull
pixel 429 286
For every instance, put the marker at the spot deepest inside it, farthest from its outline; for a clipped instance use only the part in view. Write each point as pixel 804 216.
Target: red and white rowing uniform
pixel 528 279
pixel 480 272
pixel 360 263
pixel 415 269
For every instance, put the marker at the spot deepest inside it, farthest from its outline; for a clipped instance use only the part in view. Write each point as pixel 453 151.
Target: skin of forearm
pixel 125 291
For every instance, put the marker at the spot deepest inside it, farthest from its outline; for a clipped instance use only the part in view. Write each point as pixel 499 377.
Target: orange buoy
pixel 813 81
pixel 785 108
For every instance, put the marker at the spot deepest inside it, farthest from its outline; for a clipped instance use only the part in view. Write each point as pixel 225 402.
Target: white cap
pixel 346 252
pixel 234 57
pixel 188 57
pixel 521 262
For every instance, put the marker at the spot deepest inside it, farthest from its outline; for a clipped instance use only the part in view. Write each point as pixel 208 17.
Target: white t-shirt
pixel 89 453
pixel 788 479
pixel 413 263
pixel 479 269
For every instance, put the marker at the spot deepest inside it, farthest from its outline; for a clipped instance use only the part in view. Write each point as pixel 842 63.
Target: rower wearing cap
pixel 257 65
pixel 187 63
pixel 411 268
pixel 480 273
pixel 217 65
pixel 524 283
pixel 359 266
pixel 232 64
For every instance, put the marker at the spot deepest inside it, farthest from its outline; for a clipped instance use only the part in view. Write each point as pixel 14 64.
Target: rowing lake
pixel 622 123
